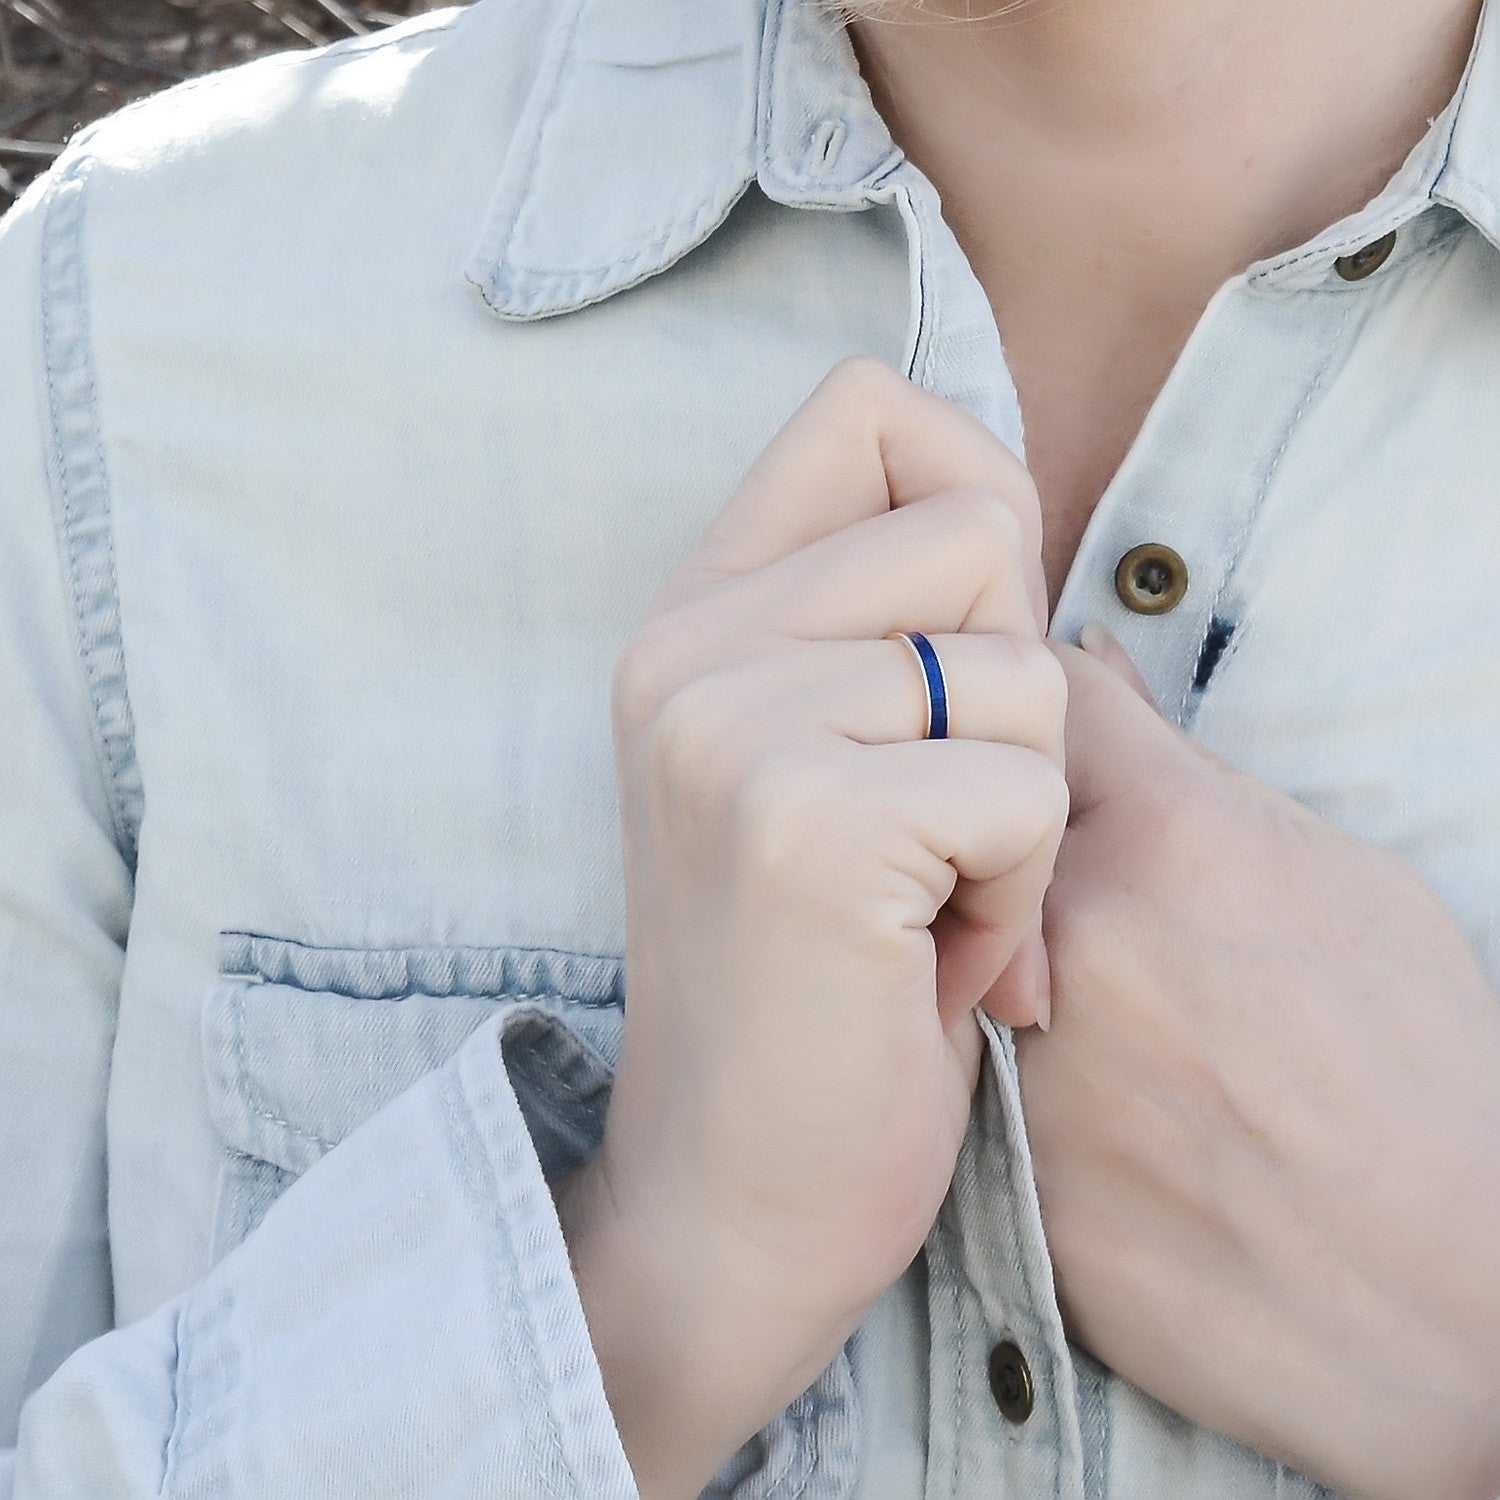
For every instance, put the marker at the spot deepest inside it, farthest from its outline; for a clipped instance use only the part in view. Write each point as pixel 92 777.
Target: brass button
pixel 1010 1382
pixel 1366 260
pixel 1151 579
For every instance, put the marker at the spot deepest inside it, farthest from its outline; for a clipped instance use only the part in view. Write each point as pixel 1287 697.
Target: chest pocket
pixel 303 1044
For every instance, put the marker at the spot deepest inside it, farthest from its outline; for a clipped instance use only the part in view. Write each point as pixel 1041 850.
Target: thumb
pixel 1116 741
pixel 1103 647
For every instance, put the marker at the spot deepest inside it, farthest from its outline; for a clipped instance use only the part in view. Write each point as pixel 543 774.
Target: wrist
pixel 695 1354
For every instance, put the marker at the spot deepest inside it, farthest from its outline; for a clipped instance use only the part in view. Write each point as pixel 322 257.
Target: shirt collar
pixel 1455 167
pixel 1467 177
pixel 648 120
pixel 646 123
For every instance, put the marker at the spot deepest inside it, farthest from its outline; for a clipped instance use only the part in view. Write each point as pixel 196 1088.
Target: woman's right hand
pixel 818 900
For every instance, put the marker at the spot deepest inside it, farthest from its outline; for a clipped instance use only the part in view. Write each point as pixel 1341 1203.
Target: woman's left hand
pixel 1266 1120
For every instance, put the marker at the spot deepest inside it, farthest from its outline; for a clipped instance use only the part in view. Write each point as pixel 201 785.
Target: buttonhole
pixel 828 141
pixel 1214 645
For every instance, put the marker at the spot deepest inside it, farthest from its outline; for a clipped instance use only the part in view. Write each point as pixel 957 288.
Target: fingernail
pixel 1096 640
pixel 1041 965
pixel 1040 605
pixel 1044 1008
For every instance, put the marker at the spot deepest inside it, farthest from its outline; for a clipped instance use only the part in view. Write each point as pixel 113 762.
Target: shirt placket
pixel 1015 1413
pixel 1006 1419
pixel 1005 1414
pixel 1014 1410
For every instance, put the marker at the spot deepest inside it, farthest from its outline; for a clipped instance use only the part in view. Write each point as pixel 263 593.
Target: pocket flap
pixel 302 1044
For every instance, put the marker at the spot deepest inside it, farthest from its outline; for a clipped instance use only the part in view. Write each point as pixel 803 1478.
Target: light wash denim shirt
pixel 352 407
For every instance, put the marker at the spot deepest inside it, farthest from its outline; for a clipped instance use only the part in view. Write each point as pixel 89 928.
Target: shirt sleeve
pixel 65 890
pixel 403 1321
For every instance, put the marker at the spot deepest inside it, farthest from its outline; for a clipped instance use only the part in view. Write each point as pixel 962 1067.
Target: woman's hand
pixel 817 901
pixel 1267 1118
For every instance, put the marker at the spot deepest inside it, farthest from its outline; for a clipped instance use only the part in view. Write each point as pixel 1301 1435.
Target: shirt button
pixel 1367 260
pixel 1151 579
pixel 1010 1382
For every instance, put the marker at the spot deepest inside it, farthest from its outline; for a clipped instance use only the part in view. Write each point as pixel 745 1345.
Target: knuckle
pixel 1047 682
pixel 692 737
pixel 781 813
pixel 859 379
pixel 1053 803
pixel 1036 804
pixel 665 652
pixel 1025 494
pixel 641 675
pixel 980 525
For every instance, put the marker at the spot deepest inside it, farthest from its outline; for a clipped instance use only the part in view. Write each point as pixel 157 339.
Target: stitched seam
pixel 1477 189
pixel 810 1431
pixel 259 1105
pixel 922 335
pixel 1247 526
pixel 1092 1391
pixel 566 44
pixel 1333 247
pixel 1264 281
pixel 260 974
pixel 917 314
pixel 179 1407
pixel 773 33
pixel 231 1219
pixel 481 1170
pixel 959 1416
pixel 932 308
pixel 581 286
pixel 1015 1196
pixel 769 1483
pixel 1015 1163
pixel 557 995
pixel 255 1097
pixel 250 976
pixel 83 519
pixel 716 209
pixel 577 290
pixel 765 77
pixel 1101 1430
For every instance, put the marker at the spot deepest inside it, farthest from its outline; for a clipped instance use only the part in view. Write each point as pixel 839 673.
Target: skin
pixel 1108 164
pixel 1241 1222
pixel 797 852
pixel 1264 1118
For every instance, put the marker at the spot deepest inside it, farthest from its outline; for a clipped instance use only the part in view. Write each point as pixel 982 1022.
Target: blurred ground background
pixel 66 62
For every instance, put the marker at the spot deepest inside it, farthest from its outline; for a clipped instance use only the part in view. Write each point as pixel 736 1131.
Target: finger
pixel 952 562
pixel 1102 646
pixel 999 688
pixel 1022 995
pixel 982 964
pixel 992 815
pixel 865 441
pixel 1115 741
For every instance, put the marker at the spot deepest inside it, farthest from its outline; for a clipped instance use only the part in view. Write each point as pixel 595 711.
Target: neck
pixel 1213 129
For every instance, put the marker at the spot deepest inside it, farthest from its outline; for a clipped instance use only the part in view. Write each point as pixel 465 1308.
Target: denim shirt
pixel 352 406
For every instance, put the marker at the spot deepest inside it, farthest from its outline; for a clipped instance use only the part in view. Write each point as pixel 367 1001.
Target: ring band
pixel 933 680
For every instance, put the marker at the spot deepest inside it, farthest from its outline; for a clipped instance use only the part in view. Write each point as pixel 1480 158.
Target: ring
pixel 933 680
